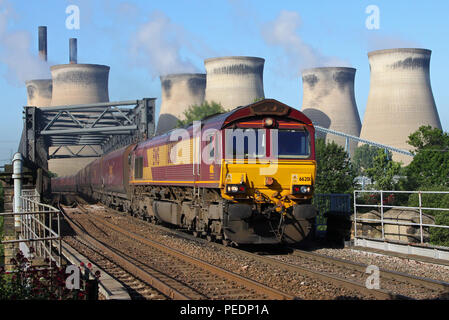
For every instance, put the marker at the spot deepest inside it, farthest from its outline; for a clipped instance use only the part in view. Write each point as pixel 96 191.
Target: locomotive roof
pixel 267 107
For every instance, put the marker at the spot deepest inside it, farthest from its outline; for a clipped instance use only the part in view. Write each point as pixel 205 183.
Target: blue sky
pixel 135 38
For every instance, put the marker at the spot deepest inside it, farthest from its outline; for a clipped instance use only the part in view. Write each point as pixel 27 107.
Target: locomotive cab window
pixel 138 168
pixel 293 143
pixel 250 144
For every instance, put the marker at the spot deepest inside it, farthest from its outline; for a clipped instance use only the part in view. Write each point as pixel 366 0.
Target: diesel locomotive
pixel 244 177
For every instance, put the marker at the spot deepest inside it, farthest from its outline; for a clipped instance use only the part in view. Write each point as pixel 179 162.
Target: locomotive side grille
pixel 138 168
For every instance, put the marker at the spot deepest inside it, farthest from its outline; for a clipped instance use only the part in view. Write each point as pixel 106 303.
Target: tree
pixel 335 173
pixel 198 112
pixel 383 171
pixel 364 158
pixel 430 165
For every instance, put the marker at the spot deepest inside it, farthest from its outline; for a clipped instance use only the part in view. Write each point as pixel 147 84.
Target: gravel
pixel 409 266
pixel 293 283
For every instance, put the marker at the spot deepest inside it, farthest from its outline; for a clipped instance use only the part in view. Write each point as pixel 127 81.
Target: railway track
pixel 342 273
pixel 173 273
pixel 137 289
pixel 395 285
pixel 395 281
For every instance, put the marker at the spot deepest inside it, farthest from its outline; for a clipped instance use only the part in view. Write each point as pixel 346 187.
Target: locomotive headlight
pixel 301 189
pixel 268 122
pixel 235 188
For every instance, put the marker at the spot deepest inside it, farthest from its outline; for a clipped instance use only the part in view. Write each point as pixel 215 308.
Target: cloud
pixel 282 32
pixel 163 46
pixel 15 51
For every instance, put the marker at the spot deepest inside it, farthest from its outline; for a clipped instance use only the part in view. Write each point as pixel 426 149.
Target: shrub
pixel 26 282
pixel 438 236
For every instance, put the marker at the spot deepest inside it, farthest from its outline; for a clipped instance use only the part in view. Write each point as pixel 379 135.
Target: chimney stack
pixel 43 42
pixel 73 51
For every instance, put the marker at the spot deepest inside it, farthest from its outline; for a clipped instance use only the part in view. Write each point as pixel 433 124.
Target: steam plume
pixel 282 32
pixel 15 51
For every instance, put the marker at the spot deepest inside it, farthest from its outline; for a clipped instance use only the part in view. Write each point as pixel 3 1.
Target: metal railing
pixel 381 206
pixel 37 227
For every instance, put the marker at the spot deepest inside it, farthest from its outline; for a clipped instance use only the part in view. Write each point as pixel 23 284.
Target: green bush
pixel 335 173
pixel 197 113
pixel 26 282
pixel 438 236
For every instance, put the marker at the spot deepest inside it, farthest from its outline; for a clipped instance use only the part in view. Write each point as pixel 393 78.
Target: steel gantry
pixel 87 130
pixel 349 138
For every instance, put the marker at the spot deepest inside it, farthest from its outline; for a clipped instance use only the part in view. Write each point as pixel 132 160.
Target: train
pixel 245 176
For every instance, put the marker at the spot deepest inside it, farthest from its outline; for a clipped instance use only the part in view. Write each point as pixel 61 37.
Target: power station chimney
pixel 43 42
pixel 179 92
pixel 234 81
pixel 39 91
pixel 329 101
pixel 400 99
pixel 73 51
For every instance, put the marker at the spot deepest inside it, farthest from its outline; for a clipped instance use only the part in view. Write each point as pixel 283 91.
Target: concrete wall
pixel 39 92
pixel 329 101
pixel 234 81
pixel 400 98
pixel 179 92
pixel 77 84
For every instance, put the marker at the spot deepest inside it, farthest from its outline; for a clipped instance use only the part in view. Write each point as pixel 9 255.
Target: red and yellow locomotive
pixel 245 176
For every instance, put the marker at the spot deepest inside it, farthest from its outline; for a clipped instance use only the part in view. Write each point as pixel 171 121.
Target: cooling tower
pixel 328 100
pixel 400 99
pixel 234 81
pixel 179 92
pixel 39 92
pixel 77 84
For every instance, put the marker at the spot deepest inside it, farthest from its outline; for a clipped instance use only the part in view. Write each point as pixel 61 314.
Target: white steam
pixel 160 44
pixel 15 51
pixel 283 32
